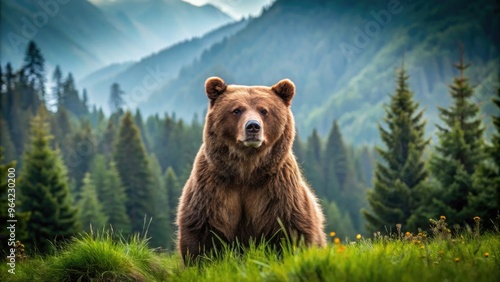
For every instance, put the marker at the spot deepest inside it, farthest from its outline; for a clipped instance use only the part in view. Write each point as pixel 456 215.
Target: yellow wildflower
pixel 336 241
pixel 358 237
pixel 477 219
pixel 486 255
pixel 332 234
pixel 457 259
pixel 442 217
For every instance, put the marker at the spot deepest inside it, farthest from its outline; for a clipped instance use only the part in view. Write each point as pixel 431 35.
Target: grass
pixel 467 256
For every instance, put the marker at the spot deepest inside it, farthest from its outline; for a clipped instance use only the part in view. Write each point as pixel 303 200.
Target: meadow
pixel 461 254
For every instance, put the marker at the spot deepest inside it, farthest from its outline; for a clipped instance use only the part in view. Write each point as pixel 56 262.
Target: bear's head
pixel 249 121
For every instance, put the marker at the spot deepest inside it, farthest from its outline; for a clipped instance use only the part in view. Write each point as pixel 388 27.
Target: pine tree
pixel 116 98
pixel 85 101
pixel 484 199
pixel 397 180
pixel 2 84
pixel 105 147
pixel 459 150
pixel 83 144
pixel 312 163
pixel 114 201
pixel 10 153
pixel 57 89
pixel 298 148
pixel 8 103
pixel 34 69
pixel 71 99
pixel 45 190
pixel 174 190
pixel 368 164
pixel 91 214
pixel 8 186
pixel 64 131
pixel 496 147
pixel 132 164
pixel 165 143
pixel 160 229
pixel 337 222
pixel 335 163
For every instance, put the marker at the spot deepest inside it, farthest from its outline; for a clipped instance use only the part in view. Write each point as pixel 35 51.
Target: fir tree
pixel 132 164
pixel 116 98
pixel 140 124
pixel 10 153
pixel 397 180
pixel 57 89
pixel 337 222
pixel 496 147
pixel 71 99
pixel 8 97
pixel 335 164
pixel 459 150
pixel 2 84
pixel 105 147
pixel 64 131
pixel 174 190
pixel 84 150
pixel 85 101
pixel 45 190
pixel 298 148
pixel 484 199
pixel 114 201
pixel 92 216
pixel 99 170
pixel 8 187
pixel 34 69
pixel 367 164
pixel 312 163
pixel 160 229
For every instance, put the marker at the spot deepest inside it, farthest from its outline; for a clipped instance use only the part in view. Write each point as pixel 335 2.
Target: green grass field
pixel 467 256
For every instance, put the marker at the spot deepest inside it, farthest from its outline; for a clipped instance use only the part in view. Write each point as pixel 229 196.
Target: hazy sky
pixel 235 8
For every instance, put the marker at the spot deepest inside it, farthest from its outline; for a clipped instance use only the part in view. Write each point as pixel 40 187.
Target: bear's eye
pixel 237 112
pixel 263 112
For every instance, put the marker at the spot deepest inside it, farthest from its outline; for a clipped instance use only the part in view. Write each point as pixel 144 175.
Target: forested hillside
pixel 81 37
pixel 140 79
pixel 404 129
pixel 342 58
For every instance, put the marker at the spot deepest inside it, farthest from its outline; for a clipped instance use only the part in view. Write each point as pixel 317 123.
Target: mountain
pixel 163 22
pixel 342 57
pixel 75 34
pixel 141 78
pixel 82 37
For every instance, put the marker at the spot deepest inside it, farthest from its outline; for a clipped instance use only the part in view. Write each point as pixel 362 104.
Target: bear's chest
pixel 245 213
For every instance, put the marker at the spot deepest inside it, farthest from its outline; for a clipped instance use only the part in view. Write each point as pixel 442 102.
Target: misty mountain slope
pixel 105 73
pixel 76 35
pixel 303 41
pixel 161 23
pixel 154 71
pixel 81 37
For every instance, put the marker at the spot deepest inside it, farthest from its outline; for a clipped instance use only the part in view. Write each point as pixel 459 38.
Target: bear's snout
pixel 253 134
pixel 252 127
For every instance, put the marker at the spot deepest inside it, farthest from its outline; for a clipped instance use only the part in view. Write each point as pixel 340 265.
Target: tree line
pixel 80 170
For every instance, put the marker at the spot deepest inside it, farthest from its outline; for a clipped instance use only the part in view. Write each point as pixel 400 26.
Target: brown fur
pixel 237 191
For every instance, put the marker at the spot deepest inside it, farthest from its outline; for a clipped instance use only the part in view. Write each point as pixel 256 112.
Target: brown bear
pixel 245 182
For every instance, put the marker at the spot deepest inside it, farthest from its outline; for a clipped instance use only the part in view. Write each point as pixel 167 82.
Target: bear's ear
pixel 285 89
pixel 214 86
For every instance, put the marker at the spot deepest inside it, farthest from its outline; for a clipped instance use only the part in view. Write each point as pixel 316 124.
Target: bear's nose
pixel 252 126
